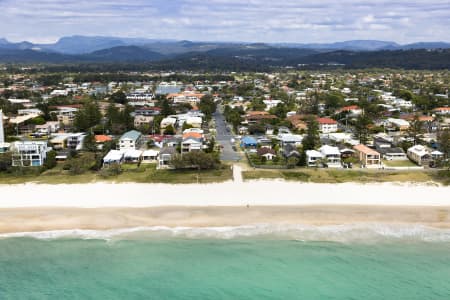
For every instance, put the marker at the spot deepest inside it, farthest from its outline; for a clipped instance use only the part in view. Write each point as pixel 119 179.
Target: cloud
pixel 244 20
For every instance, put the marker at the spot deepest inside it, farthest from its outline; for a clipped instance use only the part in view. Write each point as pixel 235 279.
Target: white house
pixel 113 157
pixel 75 141
pixel 150 156
pixel 271 103
pixel 332 156
pixel 29 154
pixel 313 157
pixel 132 156
pixel 419 154
pixel 131 140
pixel 3 146
pixel 327 125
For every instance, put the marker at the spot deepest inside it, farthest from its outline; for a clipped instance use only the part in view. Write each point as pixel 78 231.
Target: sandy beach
pixel 102 206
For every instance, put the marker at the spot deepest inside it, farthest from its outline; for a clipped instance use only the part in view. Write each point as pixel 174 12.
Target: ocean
pixel 259 262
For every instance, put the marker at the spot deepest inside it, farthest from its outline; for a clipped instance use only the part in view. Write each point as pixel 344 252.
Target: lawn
pixel 130 173
pixel 345 175
pixel 399 163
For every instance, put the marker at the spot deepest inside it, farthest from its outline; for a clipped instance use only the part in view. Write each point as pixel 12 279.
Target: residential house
pixel 368 157
pixel 313 158
pixel 248 142
pixel 59 142
pixel 100 140
pixel 271 104
pixel 75 141
pixel 290 151
pixel 166 122
pixel 140 121
pixel 66 115
pixel 267 153
pixel 150 156
pixel 297 122
pixel 327 125
pixel 165 156
pixel 332 155
pixel 387 150
pixel 293 139
pixel 132 156
pixel 442 111
pixel 29 154
pixel 113 157
pixel 397 124
pixel 420 155
pixel 131 140
pixel 351 110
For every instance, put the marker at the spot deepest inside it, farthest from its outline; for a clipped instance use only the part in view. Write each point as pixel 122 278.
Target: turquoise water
pixel 157 266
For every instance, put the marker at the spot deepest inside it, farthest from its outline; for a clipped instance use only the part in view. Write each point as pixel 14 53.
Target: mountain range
pixel 75 45
pixel 218 55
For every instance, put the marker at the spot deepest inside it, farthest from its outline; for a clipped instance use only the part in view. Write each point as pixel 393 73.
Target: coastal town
pixel 163 122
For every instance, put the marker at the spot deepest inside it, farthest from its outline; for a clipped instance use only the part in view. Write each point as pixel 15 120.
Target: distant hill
pixel 123 54
pixel 238 57
pixel 77 44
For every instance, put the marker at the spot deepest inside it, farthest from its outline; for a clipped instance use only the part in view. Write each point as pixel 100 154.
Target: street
pixel 223 137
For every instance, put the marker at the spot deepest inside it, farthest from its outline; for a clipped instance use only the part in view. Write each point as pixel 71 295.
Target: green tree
pixel 87 117
pixel 118 97
pixel 169 130
pixel 50 161
pixel 292 162
pixel 444 142
pixel 312 138
pixel 166 108
pixel 362 128
pixel 89 143
pixel 207 106
pixel 415 130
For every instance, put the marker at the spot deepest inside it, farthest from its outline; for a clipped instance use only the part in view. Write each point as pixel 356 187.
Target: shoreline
pixel 280 218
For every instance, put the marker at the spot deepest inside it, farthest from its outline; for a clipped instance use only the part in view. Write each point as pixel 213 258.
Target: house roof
pixel 364 149
pixel 330 150
pixel 113 155
pixel 194 135
pixel 102 138
pixel 248 140
pixel 150 152
pixel 326 121
pixel 132 135
pixel 313 153
pixel 133 153
pixel 168 150
pixel 264 150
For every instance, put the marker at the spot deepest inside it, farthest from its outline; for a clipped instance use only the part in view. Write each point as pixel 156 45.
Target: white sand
pixel 256 193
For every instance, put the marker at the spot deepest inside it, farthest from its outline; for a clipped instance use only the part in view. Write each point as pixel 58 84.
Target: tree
pixel 292 162
pixel 118 97
pixel 207 106
pixel 195 160
pixel 169 130
pixel 87 117
pixel 444 142
pixel 415 130
pixel 50 161
pixel 89 143
pixel 166 109
pixel 312 138
pixel 362 128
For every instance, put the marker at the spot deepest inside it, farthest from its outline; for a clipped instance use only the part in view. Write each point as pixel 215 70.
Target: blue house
pixel 248 142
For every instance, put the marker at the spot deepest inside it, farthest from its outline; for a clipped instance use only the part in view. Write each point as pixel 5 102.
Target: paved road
pixel 223 137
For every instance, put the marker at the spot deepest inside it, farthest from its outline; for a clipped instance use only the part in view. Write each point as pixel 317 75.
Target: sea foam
pixel 335 233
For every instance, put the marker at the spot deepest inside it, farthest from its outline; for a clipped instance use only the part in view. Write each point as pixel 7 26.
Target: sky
pixel 301 21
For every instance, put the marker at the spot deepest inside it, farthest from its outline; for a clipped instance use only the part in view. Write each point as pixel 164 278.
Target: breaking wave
pixel 335 233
